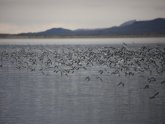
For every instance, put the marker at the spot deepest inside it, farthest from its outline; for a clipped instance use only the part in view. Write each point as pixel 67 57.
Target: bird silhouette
pixel 120 84
pixel 87 78
pixel 146 86
pixel 162 82
pixel 154 96
pixel 151 79
pixel 100 71
pixel 97 77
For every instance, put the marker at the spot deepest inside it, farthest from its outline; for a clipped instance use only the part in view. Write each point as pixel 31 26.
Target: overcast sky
pixel 36 15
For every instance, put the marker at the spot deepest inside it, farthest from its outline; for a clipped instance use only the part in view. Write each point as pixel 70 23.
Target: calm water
pixel 31 92
pixel 82 41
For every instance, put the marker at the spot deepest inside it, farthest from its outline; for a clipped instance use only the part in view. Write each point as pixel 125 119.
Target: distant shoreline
pixel 83 37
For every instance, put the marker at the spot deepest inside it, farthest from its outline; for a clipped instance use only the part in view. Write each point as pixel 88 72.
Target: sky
pixel 18 16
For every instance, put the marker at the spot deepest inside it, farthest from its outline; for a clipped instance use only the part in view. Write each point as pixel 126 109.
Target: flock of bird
pixel 106 60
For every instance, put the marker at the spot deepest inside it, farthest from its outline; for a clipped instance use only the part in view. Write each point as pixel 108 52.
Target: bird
pixel 162 82
pixel 32 69
pixel 100 71
pixel 154 96
pixel 124 44
pixel 56 71
pixel 84 68
pixel 131 73
pixel 97 77
pixel 151 79
pixel 87 78
pixel 121 83
pixel 146 86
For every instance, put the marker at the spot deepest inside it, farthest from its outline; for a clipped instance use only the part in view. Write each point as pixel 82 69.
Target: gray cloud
pixel 34 15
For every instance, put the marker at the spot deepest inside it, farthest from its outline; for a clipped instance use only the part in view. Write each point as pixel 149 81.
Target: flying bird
pixel 99 78
pixel 121 83
pixel 151 79
pixel 162 82
pixel 146 86
pixel 87 78
pixel 154 96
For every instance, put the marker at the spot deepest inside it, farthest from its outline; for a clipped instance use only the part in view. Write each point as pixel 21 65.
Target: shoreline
pixel 81 37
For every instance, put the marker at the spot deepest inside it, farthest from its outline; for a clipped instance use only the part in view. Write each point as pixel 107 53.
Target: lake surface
pixel 82 81
pixel 81 41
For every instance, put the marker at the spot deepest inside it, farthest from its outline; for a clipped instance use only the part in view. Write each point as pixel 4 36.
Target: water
pixel 31 92
pixel 80 41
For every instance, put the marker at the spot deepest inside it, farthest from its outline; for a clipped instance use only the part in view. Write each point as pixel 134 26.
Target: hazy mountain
pixel 133 27
pixel 156 26
pixel 56 31
pixel 50 32
pixel 127 23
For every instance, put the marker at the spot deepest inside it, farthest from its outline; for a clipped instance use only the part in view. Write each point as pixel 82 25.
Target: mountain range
pixel 130 28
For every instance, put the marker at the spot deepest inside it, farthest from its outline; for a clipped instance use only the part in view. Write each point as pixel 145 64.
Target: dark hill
pixel 133 27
